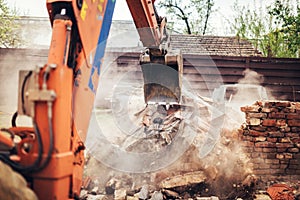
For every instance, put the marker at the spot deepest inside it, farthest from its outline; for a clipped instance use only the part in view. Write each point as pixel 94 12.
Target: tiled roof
pixel 213 45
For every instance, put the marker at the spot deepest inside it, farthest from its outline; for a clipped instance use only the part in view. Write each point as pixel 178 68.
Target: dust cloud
pixel 194 138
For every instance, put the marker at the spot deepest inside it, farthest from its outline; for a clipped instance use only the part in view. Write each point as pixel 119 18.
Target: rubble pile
pixel 223 174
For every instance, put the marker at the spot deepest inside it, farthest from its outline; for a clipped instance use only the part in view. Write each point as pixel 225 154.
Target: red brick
pixel 257 161
pixel 257 133
pixel 274 140
pixel 262 166
pixel 273 115
pixel 248 149
pixel 288 110
pixel 296 129
pixel 260 139
pixel 293 166
pixel 284 145
pixel 265 144
pixel 285 140
pixel 247 138
pixel 293 116
pixel 280 156
pixel 256 115
pixel 275 166
pixel 294 122
pixel 276 134
pixel 260 103
pixel 284 161
pixel 277 171
pixel 281 150
pixel 269 104
pixel 295 140
pixel 288 155
pixel 281 123
pixel 262 171
pixel 253 108
pixel 266 110
pixel 272 161
pixel 264 155
pixel 259 128
pixel 291 171
pixel 269 122
pixel 270 155
pixel 295 162
pixel 272 128
pixel 283 104
pixel 269 150
pixel 296 105
pixel 285 129
pixel 244 132
pixel 293 150
pixel 292 135
pixel 247 144
pixel 255 155
pixel 253 121
pixel 259 149
pixel 283 166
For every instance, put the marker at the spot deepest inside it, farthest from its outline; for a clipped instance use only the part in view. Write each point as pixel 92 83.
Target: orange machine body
pixel 60 100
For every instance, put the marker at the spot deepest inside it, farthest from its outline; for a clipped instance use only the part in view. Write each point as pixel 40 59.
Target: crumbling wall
pixel 271 138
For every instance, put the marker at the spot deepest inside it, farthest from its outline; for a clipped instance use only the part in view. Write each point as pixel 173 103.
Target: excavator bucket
pixel 162 78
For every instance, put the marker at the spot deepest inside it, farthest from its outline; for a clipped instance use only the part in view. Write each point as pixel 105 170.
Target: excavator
pixel 59 95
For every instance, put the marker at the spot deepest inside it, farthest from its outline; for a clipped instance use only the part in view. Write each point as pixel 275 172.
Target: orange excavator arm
pixel 59 96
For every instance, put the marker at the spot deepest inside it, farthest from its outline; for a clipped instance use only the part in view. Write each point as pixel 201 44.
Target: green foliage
pixel 290 24
pixel 9 36
pixel 273 30
pixel 193 15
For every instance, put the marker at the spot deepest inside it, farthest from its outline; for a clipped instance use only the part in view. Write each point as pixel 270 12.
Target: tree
pixel 193 13
pixel 290 24
pixel 9 36
pixel 266 29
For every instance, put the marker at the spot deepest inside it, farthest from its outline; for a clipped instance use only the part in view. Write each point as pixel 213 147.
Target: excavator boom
pixel 161 65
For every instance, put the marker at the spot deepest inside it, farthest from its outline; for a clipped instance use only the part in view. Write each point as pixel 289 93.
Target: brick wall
pixel 271 138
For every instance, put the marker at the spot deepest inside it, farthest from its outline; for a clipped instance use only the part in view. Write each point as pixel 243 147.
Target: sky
pixel 224 10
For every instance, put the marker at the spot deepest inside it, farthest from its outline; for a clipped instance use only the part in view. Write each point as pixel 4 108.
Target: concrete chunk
pixel 183 180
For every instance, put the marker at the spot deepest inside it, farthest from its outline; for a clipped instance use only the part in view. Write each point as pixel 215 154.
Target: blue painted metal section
pixel 100 50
